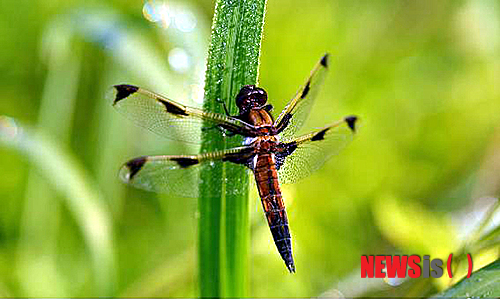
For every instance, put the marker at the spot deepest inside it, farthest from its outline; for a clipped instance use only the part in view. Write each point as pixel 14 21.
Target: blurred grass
pixel 84 202
pixel 423 75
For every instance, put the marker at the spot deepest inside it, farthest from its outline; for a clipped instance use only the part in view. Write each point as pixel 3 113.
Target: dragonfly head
pixel 250 97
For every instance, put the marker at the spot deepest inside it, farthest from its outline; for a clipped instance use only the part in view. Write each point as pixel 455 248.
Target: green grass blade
pixel 484 283
pixel 233 61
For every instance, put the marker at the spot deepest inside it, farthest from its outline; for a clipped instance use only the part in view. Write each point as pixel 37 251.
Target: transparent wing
pixel 306 154
pixel 178 174
pixel 168 118
pixel 297 110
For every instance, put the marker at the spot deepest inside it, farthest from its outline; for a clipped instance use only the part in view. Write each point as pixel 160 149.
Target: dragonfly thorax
pixel 265 144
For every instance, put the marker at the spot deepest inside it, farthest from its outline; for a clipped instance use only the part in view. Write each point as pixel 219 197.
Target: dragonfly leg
pixel 226 132
pixel 223 130
pixel 224 105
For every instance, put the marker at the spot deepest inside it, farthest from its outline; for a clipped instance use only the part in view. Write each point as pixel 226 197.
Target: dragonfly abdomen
pixel 266 177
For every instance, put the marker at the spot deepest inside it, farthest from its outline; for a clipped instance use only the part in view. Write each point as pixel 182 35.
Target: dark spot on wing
pixel 286 118
pixel 172 108
pixel 123 91
pixel 135 165
pixel 306 90
pixel 268 107
pixel 351 122
pixel 324 60
pixel 282 151
pixel 185 162
pixel 244 157
pixel 320 135
pixel 283 124
pixel 280 159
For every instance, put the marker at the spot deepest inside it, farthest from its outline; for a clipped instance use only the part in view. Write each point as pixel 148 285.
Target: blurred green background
pixel 422 75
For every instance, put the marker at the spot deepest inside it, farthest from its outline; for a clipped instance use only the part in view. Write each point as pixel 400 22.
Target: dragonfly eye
pixel 251 96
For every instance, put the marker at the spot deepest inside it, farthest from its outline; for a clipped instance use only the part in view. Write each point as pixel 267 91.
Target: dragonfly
pixel 271 149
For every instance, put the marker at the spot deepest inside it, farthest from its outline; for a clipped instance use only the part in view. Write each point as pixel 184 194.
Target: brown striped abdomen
pixel 266 177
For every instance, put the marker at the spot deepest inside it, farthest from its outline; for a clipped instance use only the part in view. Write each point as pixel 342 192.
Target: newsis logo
pixel 399 266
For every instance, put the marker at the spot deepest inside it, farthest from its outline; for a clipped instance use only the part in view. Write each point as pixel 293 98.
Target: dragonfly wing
pixel 299 158
pixel 297 110
pixel 171 119
pixel 178 174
